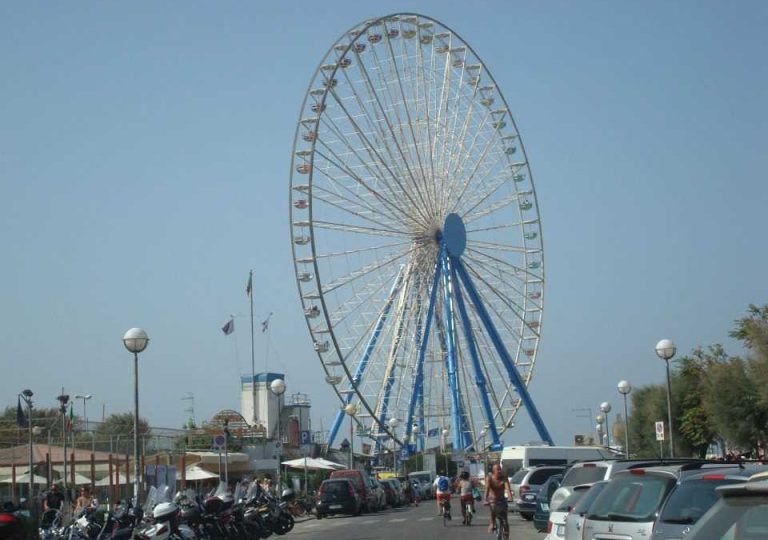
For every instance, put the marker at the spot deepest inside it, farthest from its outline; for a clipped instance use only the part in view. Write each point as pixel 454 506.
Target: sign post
pixel 660 437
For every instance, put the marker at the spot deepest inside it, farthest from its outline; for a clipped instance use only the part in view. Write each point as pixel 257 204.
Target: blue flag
pixel 21 420
pixel 229 327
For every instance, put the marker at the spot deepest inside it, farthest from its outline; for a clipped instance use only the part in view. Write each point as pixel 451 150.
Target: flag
pixel 71 419
pixel 229 327
pixel 433 432
pixel 21 420
pixel 265 323
pixel 249 287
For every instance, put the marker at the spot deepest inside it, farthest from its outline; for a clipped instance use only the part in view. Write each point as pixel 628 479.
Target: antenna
pixel 189 398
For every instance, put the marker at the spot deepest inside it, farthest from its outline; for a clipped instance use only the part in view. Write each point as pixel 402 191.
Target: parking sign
pixel 304 437
pixel 659 431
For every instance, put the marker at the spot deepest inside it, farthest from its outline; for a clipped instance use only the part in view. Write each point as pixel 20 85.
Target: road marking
pixel 369 521
pixel 398 520
pixel 425 519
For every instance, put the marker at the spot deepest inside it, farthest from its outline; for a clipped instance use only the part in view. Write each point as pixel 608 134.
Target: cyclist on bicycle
pixel 465 486
pixel 496 490
pixel 443 489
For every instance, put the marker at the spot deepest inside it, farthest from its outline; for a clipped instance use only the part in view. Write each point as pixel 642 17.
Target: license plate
pixel 560 530
pixel 545 507
pixel 335 506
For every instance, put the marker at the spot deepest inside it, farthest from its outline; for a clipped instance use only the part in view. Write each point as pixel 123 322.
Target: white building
pixel 267 404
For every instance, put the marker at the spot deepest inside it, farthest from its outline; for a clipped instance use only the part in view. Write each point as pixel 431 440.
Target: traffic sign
pixel 305 437
pixel 218 442
pixel 659 431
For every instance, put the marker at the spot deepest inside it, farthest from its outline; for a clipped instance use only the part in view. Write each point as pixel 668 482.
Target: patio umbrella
pixel 195 473
pixel 308 463
pixel 105 481
pixel 24 479
pixel 332 464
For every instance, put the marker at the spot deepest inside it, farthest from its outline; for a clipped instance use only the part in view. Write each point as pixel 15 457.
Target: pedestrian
pixel 496 490
pixel 54 500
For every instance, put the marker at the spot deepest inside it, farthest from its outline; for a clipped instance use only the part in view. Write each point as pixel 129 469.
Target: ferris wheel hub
pixel 454 235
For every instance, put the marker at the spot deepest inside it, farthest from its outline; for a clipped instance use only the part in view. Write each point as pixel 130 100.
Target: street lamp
pixel 606 408
pixel 84 397
pixel 666 349
pixel 135 340
pixel 600 419
pixel 26 395
pixel 393 423
pixel 63 400
pixel 624 389
pixel 445 448
pixel 351 410
pixel 277 387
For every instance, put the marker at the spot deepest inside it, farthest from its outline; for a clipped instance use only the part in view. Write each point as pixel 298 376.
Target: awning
pixel 24 479
pixel 309 463
pixel 194 473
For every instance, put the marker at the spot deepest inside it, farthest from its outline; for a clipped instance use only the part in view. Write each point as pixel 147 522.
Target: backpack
pixel 442 484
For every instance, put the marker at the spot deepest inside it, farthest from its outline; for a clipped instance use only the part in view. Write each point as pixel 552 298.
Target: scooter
pixel 12 521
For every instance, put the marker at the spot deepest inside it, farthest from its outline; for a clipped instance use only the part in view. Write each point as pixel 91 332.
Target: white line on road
pixel 425 519
pixel 398 520
pixel 369 521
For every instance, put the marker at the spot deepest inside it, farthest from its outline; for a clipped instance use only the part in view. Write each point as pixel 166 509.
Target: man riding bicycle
pixel 496 489
pixel 465 487
pixel 443 490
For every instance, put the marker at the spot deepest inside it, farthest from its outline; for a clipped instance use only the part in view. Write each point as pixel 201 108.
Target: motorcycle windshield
pixel 163 494
pixel 221 490
pixel 151 501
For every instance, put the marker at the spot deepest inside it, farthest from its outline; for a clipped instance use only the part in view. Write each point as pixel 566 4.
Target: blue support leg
pixel 366 356
pixel 452 371
pixel 509 365
pixel 479 375
pixel 418 383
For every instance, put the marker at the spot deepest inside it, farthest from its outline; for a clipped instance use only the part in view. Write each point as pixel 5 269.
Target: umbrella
pixel 79 480
pixel 24 479
pixel 331 463
pixel 198 473
pixel 308 463
pixel 105 481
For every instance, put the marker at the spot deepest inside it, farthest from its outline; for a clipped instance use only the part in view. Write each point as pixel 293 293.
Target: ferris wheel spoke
pixel 377 100
pixel 364 270
pixel 502 281
pixel 516 270
pixel 469 216
pixel 510 225
pixel 474 170
pixel 363 184
pixel 330 225
pixel 353 208
pixel 492 183
pixel 500 247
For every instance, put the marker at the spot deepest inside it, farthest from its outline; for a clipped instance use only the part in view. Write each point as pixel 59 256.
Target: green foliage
pixel 649 404
pixel 121 424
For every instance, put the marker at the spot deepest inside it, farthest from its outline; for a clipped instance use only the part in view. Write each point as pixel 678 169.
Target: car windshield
pixel 570 501
pixel 586 501
pixel 691 499
pixel 631 497
pixel 336 488
pixel 518 477
pixel 584 475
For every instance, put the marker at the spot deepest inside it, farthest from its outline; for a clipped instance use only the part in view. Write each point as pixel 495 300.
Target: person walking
pixel 496 490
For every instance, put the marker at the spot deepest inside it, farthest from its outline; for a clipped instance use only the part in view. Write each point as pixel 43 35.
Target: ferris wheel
pixel 416 238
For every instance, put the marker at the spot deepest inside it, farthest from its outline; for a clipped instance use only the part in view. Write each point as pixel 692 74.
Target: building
pixel 258 404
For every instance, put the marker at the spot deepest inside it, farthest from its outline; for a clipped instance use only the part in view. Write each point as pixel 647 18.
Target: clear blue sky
pixel 144 159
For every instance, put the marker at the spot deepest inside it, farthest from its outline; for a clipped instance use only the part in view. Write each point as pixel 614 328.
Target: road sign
pixel 305 437
pixel 659 431
pixel 218 442
pixel 404 453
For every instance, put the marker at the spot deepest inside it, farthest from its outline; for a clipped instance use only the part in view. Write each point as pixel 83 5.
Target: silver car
pixel 574 521
pixel 629 505
pixel 740 514
pixel 525 485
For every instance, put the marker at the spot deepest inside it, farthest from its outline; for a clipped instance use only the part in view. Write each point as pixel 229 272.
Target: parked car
pixel 740 514
pixel 338 496
pixel 525 485
pixel 389 492
pixel 693 496
pixel 381 497
pixel 541 516
pixel 426 479
pixel 559 515
pixel 359 480
pixel 588 472
pixel 575 520
pixel 397 495
pixel 400 489
pixel 631 502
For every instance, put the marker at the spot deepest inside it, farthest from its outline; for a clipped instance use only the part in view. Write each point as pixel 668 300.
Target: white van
pixel 514 458
pixel 426 478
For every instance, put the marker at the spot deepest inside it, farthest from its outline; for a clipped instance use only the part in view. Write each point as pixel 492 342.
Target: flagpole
pixel 253 354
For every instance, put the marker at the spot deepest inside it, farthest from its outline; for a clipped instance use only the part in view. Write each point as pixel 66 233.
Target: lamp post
pixel 624 389
pixel 666 349
pixel 26 395
pixel 84 397
pixel 63 400
pixel 135 340
pixel 415 431
pixel 277 387
pixel 351 410
pixel 600 419
pixel 606 408
pixel 393 423
pixel 483 433
pixel 445 448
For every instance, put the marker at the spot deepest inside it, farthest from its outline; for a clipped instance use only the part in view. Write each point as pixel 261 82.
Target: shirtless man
pixel 496 492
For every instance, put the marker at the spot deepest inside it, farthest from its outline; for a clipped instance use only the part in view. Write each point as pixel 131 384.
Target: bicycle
pixel 445 507
pixel 466 508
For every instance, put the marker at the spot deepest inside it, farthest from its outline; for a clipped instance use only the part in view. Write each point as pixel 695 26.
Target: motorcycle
pixel 12 521
pixel 274 512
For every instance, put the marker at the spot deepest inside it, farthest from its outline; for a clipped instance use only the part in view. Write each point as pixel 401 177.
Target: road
pixel 405 523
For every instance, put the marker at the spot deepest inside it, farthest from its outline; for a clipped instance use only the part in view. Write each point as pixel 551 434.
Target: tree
pixel 752 331
pixel 49 419
pixel 649 404
pixel 121 424
pixel 694 424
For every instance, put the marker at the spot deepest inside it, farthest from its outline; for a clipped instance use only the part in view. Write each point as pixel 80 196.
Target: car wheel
pixel 526 516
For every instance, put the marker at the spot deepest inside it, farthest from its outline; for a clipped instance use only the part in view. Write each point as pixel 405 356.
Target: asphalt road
pixel 410 522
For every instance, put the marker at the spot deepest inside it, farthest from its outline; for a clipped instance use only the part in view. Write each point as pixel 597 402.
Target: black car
pixel 541 517
pixel 337 496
